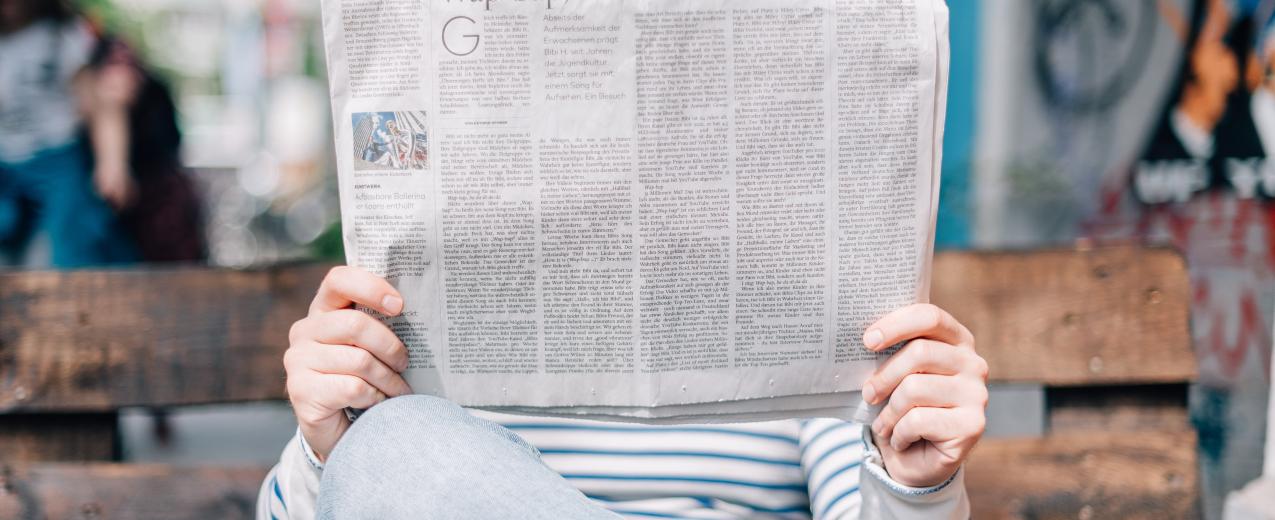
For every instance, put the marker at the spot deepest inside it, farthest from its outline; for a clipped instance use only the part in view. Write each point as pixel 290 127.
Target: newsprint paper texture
pixel 645 210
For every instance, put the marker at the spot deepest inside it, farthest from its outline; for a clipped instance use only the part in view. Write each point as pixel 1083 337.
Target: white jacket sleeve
pixel 291 489
pixel 846 479
pixel 883 498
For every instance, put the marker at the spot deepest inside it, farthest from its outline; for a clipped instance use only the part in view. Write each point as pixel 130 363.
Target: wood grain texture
pixel 1104 316
pixel 99 340
pixel 118 491
pixel 1090 475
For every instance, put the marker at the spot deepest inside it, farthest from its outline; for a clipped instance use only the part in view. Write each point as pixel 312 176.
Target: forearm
pixel 108 131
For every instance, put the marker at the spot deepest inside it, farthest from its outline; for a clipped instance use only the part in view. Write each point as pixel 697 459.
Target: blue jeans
pixel 53 193
pixel 424 457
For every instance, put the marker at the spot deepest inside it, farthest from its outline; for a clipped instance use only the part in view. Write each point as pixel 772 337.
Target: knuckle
pixel 364 363
pixel 334 272
pixel 295 332
pixel 903 423
pixel 349 323
pixel 981 397
pixel 903 393
pixel 922 349
pixel 351 388
pixel 981 369
pixel 289 358
pixel 290 387
pixel 932 316
pixel 978 424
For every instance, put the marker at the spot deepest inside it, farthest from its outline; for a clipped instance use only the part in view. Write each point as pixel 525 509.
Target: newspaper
pixel 646 210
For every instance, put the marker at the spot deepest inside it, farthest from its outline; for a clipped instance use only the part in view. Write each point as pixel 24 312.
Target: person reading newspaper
pixel 417 456
pixel 704 222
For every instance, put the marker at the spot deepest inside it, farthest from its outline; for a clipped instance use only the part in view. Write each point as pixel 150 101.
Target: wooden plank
pixel 72 437
pixel 110 491
pixel 99 340
pixel 1089 475
pixel 105 339
pixel 1103 316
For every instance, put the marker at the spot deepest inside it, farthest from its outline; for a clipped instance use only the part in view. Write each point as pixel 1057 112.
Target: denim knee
pixel 424 457
pixel 400 425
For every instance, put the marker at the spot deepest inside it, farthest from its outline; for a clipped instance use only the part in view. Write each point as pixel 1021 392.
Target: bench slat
pixel 1089 475
pixel 99 340
pixel 128 491
pixel 1145 475
pixel 86 341
pixel 1065 318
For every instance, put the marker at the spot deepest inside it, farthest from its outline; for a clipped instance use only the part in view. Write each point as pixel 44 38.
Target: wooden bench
pixel 1104 332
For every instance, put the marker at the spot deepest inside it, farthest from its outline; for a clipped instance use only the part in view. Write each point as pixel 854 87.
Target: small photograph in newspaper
pixel 390 140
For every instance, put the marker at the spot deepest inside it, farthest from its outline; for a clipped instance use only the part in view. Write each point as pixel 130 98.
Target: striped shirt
pixel 780 469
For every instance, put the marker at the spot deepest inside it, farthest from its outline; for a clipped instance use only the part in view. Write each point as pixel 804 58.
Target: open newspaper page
pixel 659 210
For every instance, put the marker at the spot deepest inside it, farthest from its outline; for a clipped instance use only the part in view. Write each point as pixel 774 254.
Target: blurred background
pixel 246 78
pixel 1069 121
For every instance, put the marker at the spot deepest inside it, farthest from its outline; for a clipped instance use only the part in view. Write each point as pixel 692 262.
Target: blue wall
pixel 955 207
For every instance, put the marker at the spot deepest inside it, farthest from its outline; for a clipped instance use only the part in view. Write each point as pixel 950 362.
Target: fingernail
pixel 876 426
pixel 873 339
pixel 392 304
pixel 895 443
pixel 869 393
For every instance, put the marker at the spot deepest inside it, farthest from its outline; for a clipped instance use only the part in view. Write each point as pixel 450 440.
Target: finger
pixel 354 328
pixel 937 425
pixel 926 390
pixel 354 361
pixel 919 356
pixel 916 321
pixel 339 391
pixel 345 286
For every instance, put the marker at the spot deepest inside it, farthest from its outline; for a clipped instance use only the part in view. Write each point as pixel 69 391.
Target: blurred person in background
pixel 46 97
pixel 88 147
pixel 161 209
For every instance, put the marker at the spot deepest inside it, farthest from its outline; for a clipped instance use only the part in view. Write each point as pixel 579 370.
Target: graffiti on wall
pixel 1153 121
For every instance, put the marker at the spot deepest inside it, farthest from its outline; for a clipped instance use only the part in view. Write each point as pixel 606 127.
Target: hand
pixel 937 391
pixel 339 357
pixel 117 85
pixel 116 186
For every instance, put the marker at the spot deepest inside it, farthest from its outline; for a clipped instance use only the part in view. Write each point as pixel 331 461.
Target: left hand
pixel 936 387
pixel 116 186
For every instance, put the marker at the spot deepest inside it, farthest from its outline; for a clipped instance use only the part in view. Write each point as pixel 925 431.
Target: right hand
pixel 339 357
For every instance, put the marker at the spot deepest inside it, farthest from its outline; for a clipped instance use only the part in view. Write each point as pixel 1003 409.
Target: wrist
pixel 111 170
pixel 312 457
pixel 889 466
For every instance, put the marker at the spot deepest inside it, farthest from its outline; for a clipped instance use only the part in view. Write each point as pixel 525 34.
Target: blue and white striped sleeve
pixel 831 455
pixel 291 489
